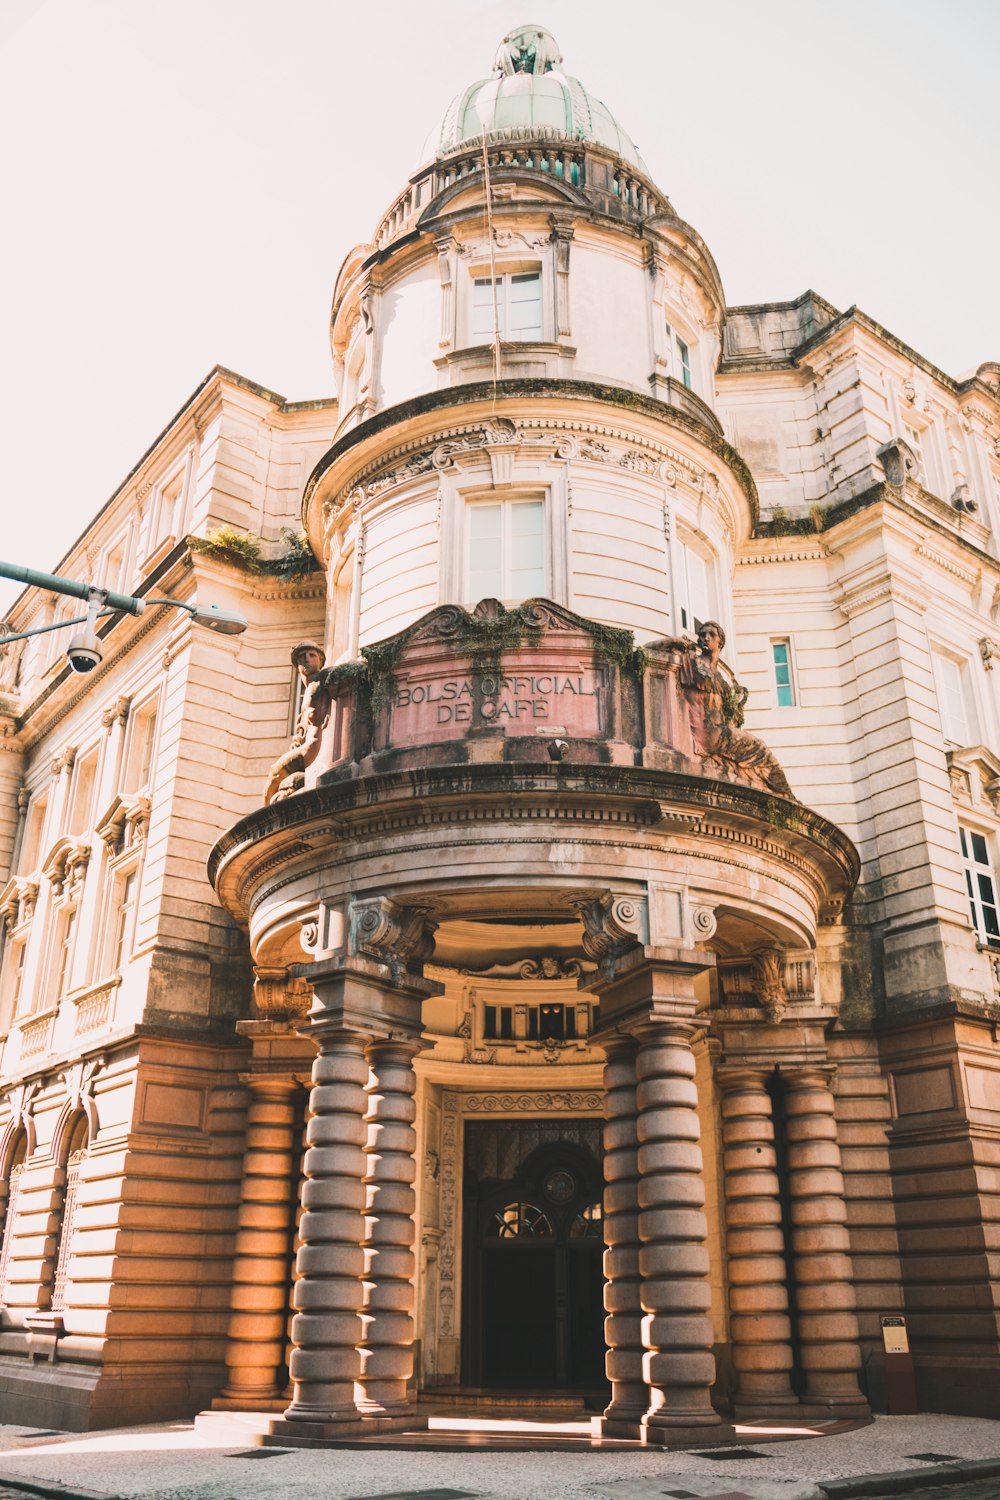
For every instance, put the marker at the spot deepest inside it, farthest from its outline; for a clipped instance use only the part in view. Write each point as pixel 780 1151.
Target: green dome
pixel 530 95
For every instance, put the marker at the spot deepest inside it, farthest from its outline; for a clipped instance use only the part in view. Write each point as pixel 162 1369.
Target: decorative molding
pixel 448 1252
pixel 548 967
pixel 399 936
pixel 636 454
pixel 279 997
pixel 704 922
pixel 611 923
pixel 563 1102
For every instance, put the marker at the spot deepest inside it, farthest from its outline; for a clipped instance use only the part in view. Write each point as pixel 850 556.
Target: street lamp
pixel 84 652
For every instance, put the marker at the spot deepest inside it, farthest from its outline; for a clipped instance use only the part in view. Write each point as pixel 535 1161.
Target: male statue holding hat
pixel 287 774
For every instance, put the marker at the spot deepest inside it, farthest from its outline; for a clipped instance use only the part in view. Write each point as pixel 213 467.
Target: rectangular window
pixel 955 703
pixel 14 965
pixel 781 655
pixel 64 957
pixel 139 762
pixel 506 550
pixel 695 588
pixel 684 358
pixel 980 883
pixel 168 511
pixel 84 779
pixel 123 921
pixel 518 310
pixel 680 357
pixel 31 848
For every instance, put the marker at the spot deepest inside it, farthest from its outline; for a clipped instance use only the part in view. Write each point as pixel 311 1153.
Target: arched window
pixel 521 1219
pixel 79 1137
pixel 18 1156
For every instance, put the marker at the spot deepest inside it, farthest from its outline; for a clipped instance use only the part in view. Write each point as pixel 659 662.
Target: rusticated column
pixel 826 1323
pixel 622 1302
pixel 326 1329
pixel 390 1170
pixel 256 1350
pixel 759 1322
pixel 679 1364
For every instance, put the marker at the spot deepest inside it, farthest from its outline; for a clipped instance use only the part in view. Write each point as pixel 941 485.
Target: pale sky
pixel 182 179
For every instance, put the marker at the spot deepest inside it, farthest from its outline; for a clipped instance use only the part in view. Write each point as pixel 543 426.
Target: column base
pixel 292 1433
pixel 831 1411
pixel 688 1434
pixel 670 1435
pixel 273 1403
pixel 768 1406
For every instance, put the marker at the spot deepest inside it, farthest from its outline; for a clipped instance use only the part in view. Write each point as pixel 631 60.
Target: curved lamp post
pixel 84 650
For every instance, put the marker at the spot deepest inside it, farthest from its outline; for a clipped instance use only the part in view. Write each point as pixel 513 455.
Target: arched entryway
pixel 533 1314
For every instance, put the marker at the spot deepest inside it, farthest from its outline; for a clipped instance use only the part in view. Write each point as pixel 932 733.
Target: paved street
pixel 175 1461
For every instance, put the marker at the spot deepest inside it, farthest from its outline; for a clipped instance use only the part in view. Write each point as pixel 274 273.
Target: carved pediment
pixel 124 822
pixel 975 776
pixel 66 864
pixel 17 901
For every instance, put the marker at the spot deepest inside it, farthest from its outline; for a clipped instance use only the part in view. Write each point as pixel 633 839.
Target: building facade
pixel 594 985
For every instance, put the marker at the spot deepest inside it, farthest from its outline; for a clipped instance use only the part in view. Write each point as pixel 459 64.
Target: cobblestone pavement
pixel 176 1462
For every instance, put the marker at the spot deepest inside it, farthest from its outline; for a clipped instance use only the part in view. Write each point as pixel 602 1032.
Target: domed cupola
pixel 529 94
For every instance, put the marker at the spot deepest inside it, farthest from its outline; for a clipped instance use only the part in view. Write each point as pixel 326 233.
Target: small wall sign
pixel 895 1338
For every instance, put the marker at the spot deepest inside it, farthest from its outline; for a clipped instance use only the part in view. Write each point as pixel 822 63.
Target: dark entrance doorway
pixel 534 1282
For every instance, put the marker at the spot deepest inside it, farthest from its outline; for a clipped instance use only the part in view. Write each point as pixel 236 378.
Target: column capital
pixel 734 1077
pixel 809 1075
pixel 278 994
pixel 275 1085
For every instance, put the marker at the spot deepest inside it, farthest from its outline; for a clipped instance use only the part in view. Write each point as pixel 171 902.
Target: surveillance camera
pixel 84 653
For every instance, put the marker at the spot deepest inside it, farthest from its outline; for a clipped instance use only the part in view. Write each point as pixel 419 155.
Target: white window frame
pixel 140 714
pixel 118 940
pixel 792 684
pixel 505 275
pixel 942 660
pixel 686 619
pixel 680 353
pixel 975 871
pixel 506 504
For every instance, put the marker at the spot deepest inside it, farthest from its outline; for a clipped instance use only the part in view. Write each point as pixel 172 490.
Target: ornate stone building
pixel 560 1011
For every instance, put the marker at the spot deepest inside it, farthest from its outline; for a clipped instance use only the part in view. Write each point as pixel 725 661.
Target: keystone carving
pixel 769 982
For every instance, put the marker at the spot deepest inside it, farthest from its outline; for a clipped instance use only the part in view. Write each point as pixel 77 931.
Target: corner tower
pixel 531 322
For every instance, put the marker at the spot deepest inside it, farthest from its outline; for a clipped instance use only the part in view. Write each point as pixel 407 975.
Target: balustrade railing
pixel 580 164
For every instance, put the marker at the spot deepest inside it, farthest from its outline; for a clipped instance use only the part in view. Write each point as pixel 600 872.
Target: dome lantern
pixel 530 95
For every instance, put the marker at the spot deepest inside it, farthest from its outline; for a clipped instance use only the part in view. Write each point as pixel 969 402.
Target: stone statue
pixel 287 773
pixel 529 49
pixel 715 704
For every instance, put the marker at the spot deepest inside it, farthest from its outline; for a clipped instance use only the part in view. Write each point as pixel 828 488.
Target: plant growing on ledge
pixel 243 551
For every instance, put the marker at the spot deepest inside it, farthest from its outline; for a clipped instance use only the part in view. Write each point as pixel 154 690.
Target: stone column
pixel 622 1286
pixel 759 1321
pixel 824 1279
pixel 326 1329
pixel 679 1364
pixel 255 1353
pixel 390 1171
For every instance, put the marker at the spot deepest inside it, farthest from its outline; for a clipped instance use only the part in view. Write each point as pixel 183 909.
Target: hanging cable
pixel 488 185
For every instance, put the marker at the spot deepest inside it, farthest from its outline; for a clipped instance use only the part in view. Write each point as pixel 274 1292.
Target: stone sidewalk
pixel 176 1462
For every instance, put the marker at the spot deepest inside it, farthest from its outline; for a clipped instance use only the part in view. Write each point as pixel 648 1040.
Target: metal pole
pixel 127 603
